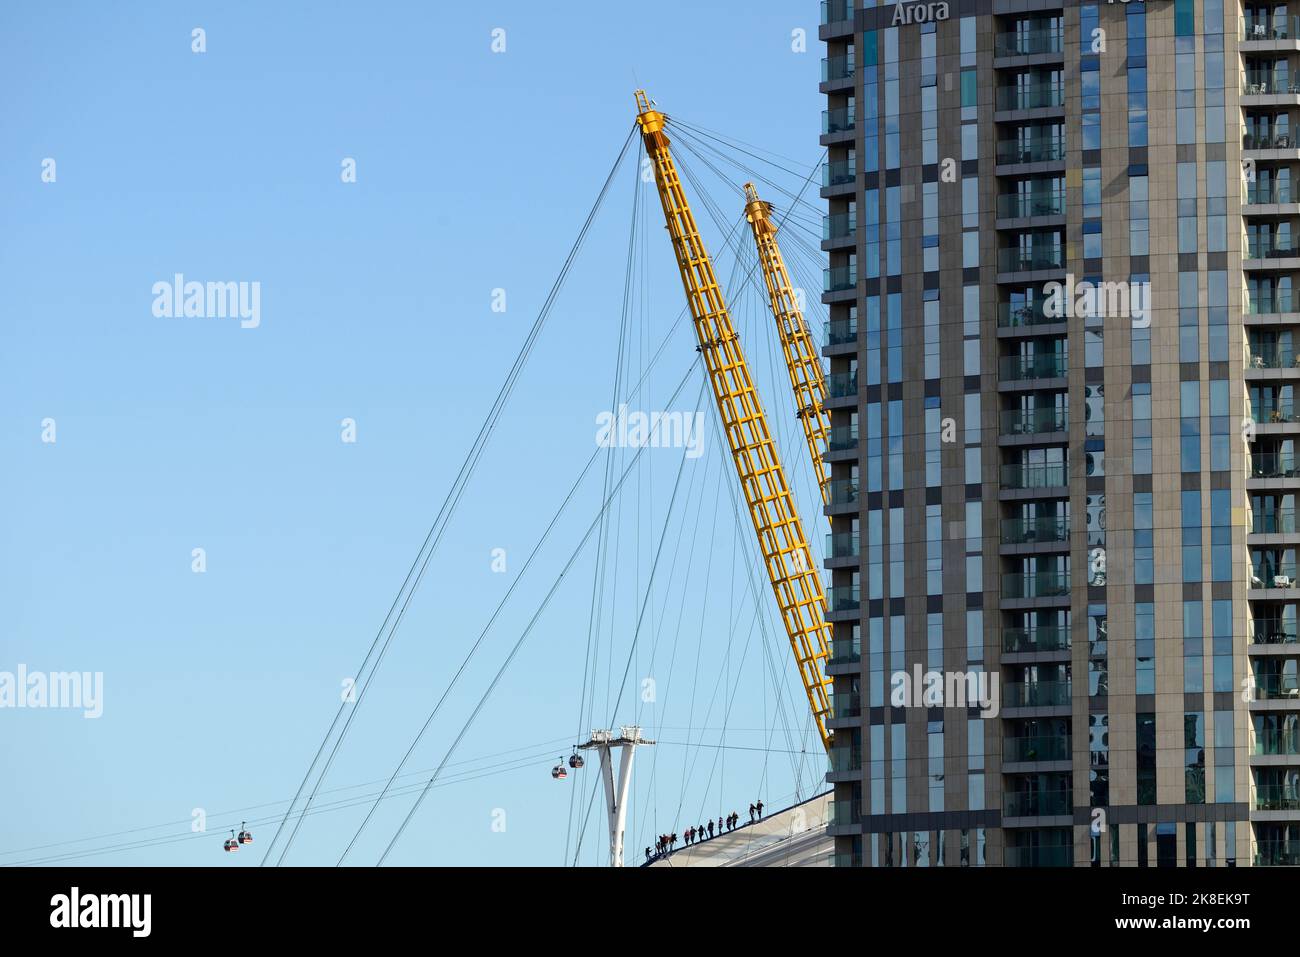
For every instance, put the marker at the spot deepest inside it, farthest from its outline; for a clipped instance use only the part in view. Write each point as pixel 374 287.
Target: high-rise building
pixel 1063 354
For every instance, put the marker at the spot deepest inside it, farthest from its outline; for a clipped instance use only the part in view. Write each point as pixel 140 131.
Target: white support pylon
pixel 616 800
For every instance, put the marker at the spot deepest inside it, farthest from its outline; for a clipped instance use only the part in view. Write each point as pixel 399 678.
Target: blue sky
pixel 474 172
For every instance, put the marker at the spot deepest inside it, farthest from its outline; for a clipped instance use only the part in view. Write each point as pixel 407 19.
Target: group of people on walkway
pixel 667 843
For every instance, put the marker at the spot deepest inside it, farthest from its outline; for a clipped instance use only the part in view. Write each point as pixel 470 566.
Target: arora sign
pixel 909 13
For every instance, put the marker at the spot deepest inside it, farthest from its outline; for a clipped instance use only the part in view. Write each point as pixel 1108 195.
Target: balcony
pixel 844 814
pixel 1277 688
pixel 1051 584
pixel 1277 412
pixel 839 226
pixel 842 438
pixel 1039 638
pixel 1275 194
pixel 841 120
pixel 1041 365
pixel 838 173
pixel 1276 797
pixel 845 651
pixel 844 492
pixel 1026 205
pixel 1272 465
pixel 843 758
pixel 840 278
pixel 1045 150
pixel 1266 141
pixel 1269 632
pixel 1020 259
pixel 1048 747
pixel 1031 96
pixel 1011 315
pixel 1038 804
pixel 835 68
pixel 836 11
pixel 846 706
pixel 842 544
pixel 1034 421
pixel 843 598
pixel 841 385
pixel 1269 305
pixel 1028 42
pixel 1262 85
pixel 1281 522
pixel 841 331
pixel 1031 531
pixel 1038 857
pixel 1036 694
pixel 1037 475
pixel 1282 576
pixel 1277 854
pixel 1272 358
pixel 1277 743
pixel 1266 28
pixel 1271 250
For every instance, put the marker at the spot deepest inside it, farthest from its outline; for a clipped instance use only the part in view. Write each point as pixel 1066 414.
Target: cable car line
pixel 514 764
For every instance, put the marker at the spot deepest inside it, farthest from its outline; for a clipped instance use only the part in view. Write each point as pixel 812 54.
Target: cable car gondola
pixel 558 771
pixel 231 844
pixel 575 760
pixel 245 835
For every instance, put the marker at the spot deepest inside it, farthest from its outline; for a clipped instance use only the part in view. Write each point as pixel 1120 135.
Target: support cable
pixel 434 536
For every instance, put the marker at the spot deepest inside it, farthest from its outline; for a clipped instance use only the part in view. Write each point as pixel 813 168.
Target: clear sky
pixel 474 171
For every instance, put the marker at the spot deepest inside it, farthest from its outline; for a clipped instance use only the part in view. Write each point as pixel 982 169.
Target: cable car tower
pixel 616 802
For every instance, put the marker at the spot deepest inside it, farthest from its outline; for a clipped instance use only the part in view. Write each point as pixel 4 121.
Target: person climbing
pixel 751 814
pixel 710 828
pixel 759 807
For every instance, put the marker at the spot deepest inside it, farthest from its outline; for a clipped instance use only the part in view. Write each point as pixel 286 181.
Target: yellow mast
pixel 795 580
pixel 806 377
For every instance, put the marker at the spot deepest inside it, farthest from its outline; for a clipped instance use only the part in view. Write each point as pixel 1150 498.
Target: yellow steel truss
pixel 801 360
pixel 795 580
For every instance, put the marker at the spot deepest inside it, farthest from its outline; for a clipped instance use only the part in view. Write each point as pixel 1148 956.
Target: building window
pixel 1146 766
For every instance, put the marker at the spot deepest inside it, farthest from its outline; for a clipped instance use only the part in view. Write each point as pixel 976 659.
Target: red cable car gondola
pixel 575 760
pixel 245 835
pixel 558 771
pixel 231 844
